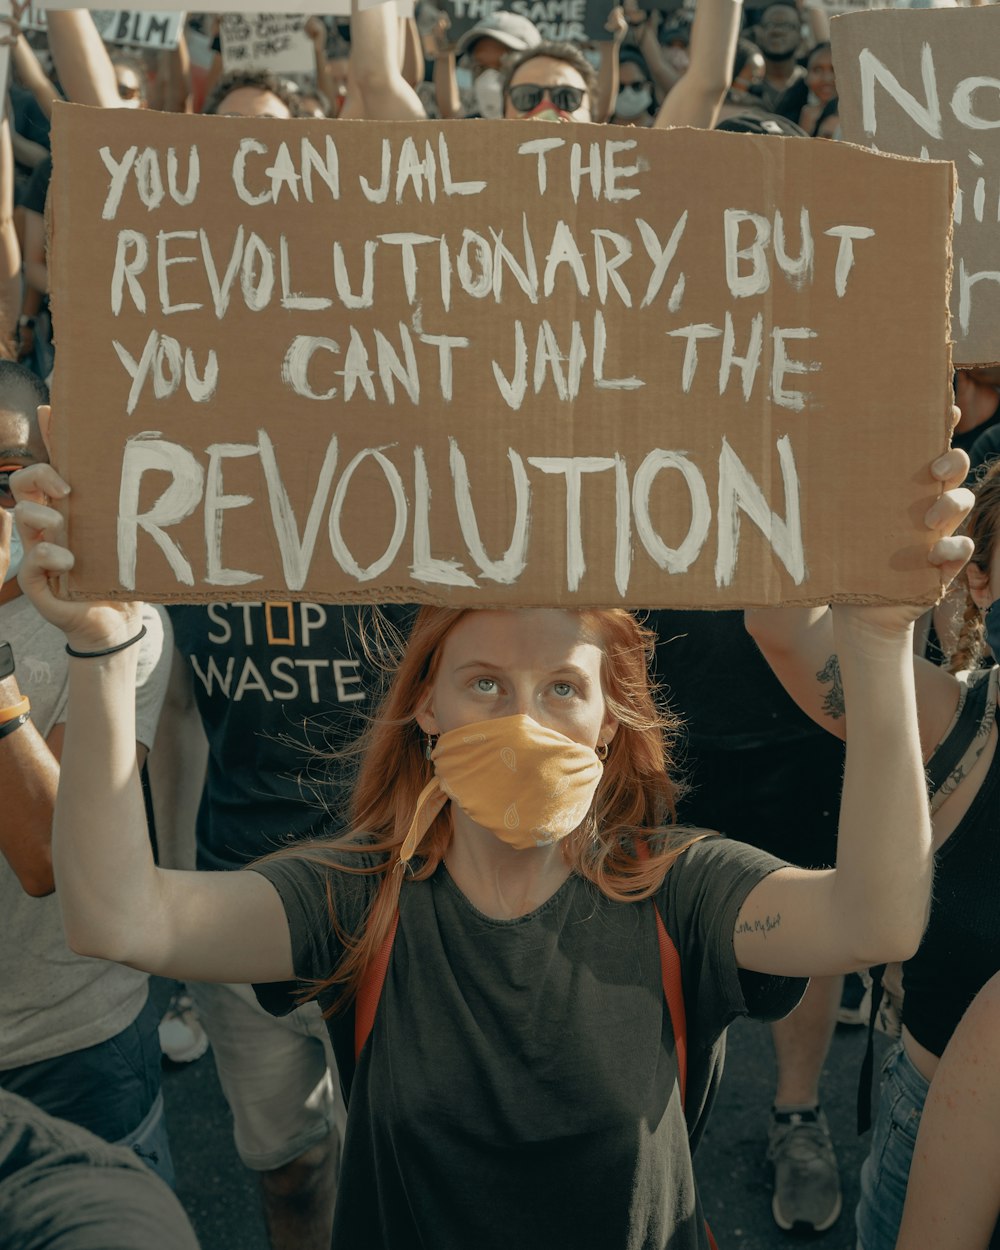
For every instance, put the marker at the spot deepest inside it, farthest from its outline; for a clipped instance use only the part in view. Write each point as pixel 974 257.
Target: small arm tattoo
pixel 833 700
pixel 763 927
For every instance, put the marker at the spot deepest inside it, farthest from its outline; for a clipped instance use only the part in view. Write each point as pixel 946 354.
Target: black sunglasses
pixel 527 96
pixel 6 494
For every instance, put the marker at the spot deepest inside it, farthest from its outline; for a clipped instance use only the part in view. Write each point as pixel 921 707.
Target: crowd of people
pixel 444 1012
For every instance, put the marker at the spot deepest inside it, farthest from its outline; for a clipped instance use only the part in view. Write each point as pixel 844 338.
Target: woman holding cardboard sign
pixel 960 950
pixel 528 975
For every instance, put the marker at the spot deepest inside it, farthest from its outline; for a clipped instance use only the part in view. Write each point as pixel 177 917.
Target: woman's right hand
pixel 88 625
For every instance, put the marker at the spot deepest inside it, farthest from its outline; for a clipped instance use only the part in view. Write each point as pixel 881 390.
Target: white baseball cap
pixel 511 29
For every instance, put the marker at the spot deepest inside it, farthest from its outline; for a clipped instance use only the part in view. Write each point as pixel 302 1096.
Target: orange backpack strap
pixel 370 990
pixel 670 975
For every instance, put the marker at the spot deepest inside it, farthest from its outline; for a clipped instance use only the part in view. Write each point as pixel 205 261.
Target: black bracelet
pixel 94 655
pixel 9 726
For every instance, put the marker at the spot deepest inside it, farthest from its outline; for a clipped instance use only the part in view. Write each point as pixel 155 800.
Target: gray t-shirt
pixel 53 1002
pixel 520 1084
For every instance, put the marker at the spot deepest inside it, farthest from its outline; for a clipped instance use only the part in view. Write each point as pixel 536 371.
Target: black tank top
pixel 961 948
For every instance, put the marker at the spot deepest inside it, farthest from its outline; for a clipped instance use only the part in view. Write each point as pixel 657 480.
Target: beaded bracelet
pixel 94 655
pixel 9 726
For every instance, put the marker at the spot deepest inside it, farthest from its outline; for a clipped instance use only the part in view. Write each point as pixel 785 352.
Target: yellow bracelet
pixel 15 710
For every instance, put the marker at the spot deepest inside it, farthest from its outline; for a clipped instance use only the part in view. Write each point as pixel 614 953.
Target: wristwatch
pixel 6 660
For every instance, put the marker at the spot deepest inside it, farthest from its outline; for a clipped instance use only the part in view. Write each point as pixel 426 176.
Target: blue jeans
pixel 887 1169
pixel 112 1089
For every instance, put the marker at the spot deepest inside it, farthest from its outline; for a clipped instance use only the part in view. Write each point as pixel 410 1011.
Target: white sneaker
pixel 182 1039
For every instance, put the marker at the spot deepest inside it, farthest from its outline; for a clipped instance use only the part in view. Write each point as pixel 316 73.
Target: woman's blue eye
pixel 563 689
pixel 485 685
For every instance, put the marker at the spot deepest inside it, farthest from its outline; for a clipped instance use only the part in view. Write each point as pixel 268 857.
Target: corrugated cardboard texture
pixel 486 363
pixel 923 82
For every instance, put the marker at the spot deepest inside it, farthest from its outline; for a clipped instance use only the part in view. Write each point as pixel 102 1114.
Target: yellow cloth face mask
pixel 530 786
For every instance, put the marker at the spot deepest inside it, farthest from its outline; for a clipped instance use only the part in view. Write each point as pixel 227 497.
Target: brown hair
pixel 555 50
pixel 983 528
pixel 615 848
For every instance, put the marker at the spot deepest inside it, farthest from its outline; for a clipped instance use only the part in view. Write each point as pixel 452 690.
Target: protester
pixel 953 1194
pixel 521 973
pixel 484 47
pixel 804 101
pixel 778 34
pixel 634 103
pixel 62 1188
pixel 250 93
pixel 960 951
pixel 79 1035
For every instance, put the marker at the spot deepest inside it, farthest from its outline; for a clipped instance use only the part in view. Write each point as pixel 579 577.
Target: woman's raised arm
pixel 872 907
pixel 116 904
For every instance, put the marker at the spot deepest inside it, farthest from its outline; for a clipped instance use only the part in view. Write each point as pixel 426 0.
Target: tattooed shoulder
pixel 833 700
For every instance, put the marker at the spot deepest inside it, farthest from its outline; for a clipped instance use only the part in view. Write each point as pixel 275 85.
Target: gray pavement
pixel 221 1197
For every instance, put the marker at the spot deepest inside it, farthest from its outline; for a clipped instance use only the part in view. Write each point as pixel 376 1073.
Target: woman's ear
pixel 424 716
pixel 979 586
pixel 608 729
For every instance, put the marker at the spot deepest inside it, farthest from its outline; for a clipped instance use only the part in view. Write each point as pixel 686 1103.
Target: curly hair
pixel 262 80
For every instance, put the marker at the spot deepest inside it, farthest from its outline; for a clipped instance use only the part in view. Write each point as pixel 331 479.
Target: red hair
pixel 615 848
pixel 983 527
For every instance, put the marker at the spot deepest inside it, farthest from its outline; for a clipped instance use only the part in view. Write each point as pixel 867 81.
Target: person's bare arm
pixel 697 98
pixel 81 59
pixel 607 75
pixel 872 907
pixel 27 151
pixel 446 94
pixel 665 76
pixel 36 269
pixel 411 52
pixel 31 777
pixel 953 1194
pixel 115 903
pixel 32 77
pixel 315 28
pixel 174 74
pixel 10 246
pixel 376 78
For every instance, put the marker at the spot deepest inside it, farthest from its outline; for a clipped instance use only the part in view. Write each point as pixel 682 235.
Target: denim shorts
pixel 886 1170
pixel 112 1089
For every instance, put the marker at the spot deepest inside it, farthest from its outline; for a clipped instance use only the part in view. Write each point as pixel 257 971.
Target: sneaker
pixel 806 1180
pixel 182 1039
pixel 855 1000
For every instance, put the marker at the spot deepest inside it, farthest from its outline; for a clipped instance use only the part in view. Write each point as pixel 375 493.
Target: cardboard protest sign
pixel 923 82
pixel 574 20
pixel 136 28
pixel 270 41
pixel 494 363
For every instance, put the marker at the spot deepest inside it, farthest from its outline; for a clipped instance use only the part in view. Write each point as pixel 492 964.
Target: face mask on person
pixel 529 785
pixel 991 619
pixel 16 553
pixel 633 100
pixel 488 90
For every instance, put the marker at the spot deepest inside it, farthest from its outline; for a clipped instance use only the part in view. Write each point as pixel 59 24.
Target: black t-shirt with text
pixel 280 686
